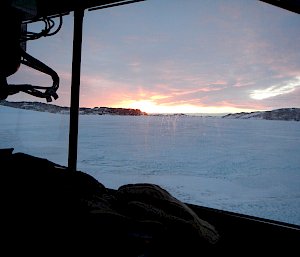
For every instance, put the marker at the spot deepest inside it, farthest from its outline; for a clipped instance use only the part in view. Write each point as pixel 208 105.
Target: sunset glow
pixel 150 106
pixel 176 56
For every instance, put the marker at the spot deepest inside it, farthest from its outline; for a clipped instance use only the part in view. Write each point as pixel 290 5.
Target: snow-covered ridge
pixel 43 107
pixel 288 114
pixel 292 114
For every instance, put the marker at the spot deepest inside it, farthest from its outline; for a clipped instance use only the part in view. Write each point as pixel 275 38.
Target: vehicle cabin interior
pixel 49 208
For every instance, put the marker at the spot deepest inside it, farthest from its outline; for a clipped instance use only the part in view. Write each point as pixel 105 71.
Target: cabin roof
pixel 57 7
pixel 49 8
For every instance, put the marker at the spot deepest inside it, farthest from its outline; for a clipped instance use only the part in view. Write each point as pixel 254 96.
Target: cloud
pixel 288 87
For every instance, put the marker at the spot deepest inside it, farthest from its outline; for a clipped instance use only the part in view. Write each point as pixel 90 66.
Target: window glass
pixel 177 69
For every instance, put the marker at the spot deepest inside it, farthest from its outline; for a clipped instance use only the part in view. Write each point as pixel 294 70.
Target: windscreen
pixel 199 97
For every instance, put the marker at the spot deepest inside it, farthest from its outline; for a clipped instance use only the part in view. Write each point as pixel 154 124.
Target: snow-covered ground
pixel 245 166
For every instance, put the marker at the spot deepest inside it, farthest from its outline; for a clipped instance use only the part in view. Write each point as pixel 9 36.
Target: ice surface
pixel 245 166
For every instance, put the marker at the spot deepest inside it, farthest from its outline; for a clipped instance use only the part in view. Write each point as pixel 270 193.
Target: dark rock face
pixel 46 206
pixel 288 114
pixel 282 114
pixel 43 107
pixel 112 111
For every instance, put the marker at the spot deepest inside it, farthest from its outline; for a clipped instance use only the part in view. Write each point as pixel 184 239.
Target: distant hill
pixel 289 114
pixel 44 107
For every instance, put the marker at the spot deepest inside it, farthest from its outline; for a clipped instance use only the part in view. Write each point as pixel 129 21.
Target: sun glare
pixel 151 107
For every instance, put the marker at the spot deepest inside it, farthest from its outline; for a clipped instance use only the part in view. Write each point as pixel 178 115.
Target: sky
pixel 176 56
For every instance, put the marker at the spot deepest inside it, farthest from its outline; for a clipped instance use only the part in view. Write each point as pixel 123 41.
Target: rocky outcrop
pixel 43 107
pixel 111 111
pixel 288 114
